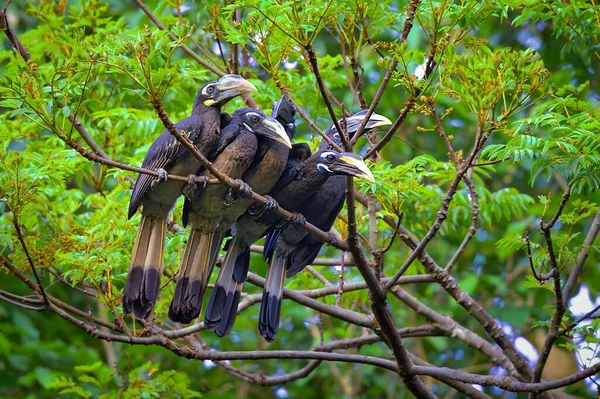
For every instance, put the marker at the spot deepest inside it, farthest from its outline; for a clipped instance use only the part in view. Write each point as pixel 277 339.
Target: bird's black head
pixel 352 124
pixel 285 112
pixel 255 121
pixel 219 92
pixel 343 163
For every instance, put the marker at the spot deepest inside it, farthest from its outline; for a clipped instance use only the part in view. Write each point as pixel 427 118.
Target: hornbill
pixel 312 175
pixel 249 229
pixel 291 248
pixel 323 207
pixel 266 170
pixel 157 195
pixel 213 209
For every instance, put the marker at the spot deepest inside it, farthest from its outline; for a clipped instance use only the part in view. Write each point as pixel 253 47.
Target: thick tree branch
pixel 379 304
pixel 506 383
pixel 454 329
pixel 335 311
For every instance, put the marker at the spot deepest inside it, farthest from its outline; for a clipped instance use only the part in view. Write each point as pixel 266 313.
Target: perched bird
pixel 157 195
pixel 323 207
pixel 213 209
pixel 269 163
pixel 249 228
pixel 313 174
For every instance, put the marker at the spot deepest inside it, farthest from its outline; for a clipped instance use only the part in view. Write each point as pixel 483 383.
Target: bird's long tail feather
pixel 145 270
pixel 222 307
pixel 197 264
pixel 270 306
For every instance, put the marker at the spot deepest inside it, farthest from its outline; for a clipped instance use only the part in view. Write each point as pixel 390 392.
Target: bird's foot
pixel 244 191
pixel 190 189
pixel 257 210
pixel 332 240
pixel 298 219
pixel 163 176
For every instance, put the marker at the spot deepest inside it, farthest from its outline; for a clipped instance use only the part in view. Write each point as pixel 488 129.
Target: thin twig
pixel 312 58
pixel 21 239
pixel 588 315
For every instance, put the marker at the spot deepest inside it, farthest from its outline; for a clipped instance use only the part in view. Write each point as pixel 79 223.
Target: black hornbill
pixel 323 207
pixel 249 229
pixel 312 175
pixel 157 195
pixel 290 248
pixel 213 209
pixel 269 164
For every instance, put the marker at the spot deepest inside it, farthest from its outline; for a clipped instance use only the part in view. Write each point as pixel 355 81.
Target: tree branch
pixel 408 24
pixel 559 304
pixel 379 304
pixel 587 243
pixel 492 328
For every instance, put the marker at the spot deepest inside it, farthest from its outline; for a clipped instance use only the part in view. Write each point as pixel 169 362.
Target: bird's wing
pixel 298 153
pixel 227 135
pixel 164 152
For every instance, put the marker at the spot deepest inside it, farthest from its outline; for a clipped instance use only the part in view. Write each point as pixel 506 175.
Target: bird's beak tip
pixel 277 132
pixel 359 165
pixel 383 121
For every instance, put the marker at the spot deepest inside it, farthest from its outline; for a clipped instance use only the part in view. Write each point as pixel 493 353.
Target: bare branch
pixel 506 383
pixel 312 58
pixel 335 311
pixel 453 329
pixel 491 326
pixel 559 304
pixel 587 243
pixel 40 287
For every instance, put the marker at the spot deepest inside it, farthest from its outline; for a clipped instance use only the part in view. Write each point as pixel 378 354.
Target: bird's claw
pixel 191 187
pixel 298 218
pixel 244 191
pixel 163 176
pixel 332 240
pixel 257 210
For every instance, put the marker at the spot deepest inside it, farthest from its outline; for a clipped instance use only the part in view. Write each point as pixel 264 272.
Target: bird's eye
pixel 210 89
pixel 254 119
pixel 331 157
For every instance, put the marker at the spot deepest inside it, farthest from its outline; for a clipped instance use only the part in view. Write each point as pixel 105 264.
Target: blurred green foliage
pixel 524 72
